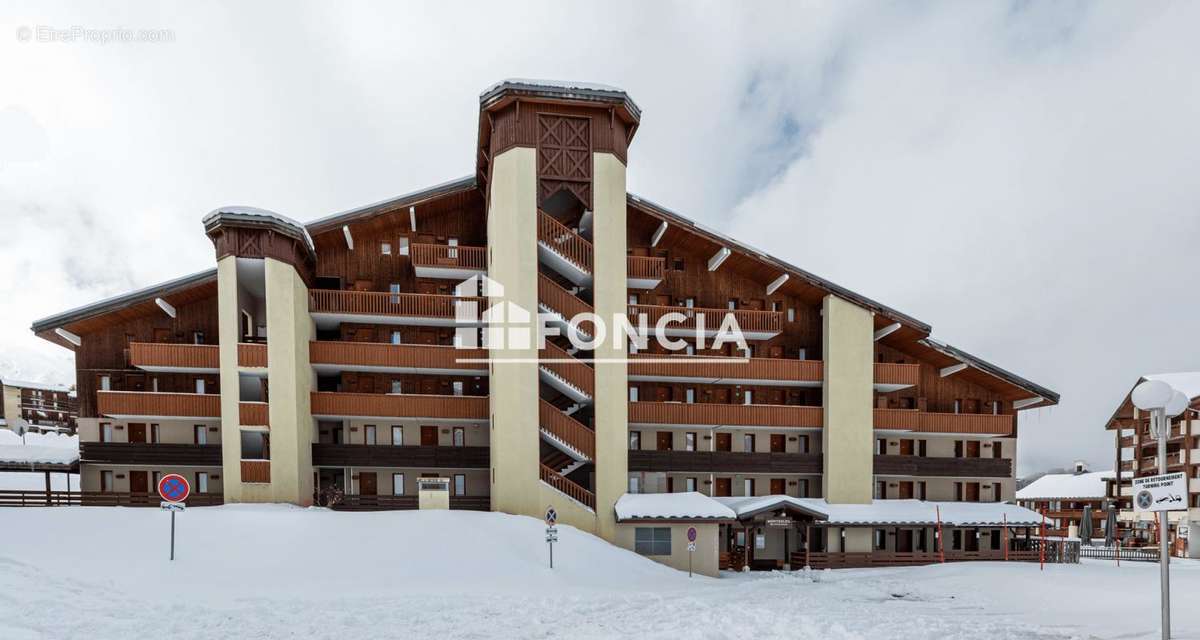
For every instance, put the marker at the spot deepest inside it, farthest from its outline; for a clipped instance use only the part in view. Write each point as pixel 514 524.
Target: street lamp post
pixel 1163 402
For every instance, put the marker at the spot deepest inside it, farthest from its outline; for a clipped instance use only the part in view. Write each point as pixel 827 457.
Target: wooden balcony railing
pixel 98 499
pixel 967 423
pixel 382 455
pixel 175 356
pixel 747 319
pixel 252 355
pixel 1125 442
pixel 560 482
pixel 712 414
pixel 565 242
pixel 685 366
pixel 562 302
pixel 411 305
pixel 254 414
pixel 895 373
pixel 256 470
pixel 439 255
pixel 565 366
pixel 394 356
pixel 150 454
pixel 645 268
pixel 567 429
pixel 724 462
pixel 893 465
pixel 379 405
pixel 147 403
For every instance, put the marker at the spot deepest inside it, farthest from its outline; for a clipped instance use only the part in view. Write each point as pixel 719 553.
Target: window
pixel 154 384
pixel 396 338
pixel 402 249
pixel 369 434
pixel 200 385
pixel 995 407
pixel 748 442
pixel 201 482
pixel 154 478
pixel 776 305
pixel 397 435
pixel 690 396
pixel 153 433
pixel 633 299
pixel 880 490
pixel 460 437
pixel 689 302
pixel 197 337
pixel 748 487
pixel 460 484
pixel 956 543
pixel 633 394
pixel 105 383
pixel 394 289
pixel 199 434
pixel 679 264
pixel 881 446
pixel 634 484
pixel 689 442
pixel 106 432
pixel 802 488
pixel 457 386
pixel 689 484
pixel 920 490
pixel 652 541
pixel 397 387
pixel 922 448
pixel 635 440
pixel 397 484
pixel 689 349
pixel 106 481
pixel 997 450
pixel 880 539
pixel 748 397
pixel 452 252
pixel 731 304
pixel 385 248
pixel 958 406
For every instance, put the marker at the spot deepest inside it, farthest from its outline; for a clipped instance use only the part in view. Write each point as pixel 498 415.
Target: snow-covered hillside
pixel 284 572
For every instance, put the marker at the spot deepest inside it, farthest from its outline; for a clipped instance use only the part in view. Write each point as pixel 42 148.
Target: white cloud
pixel 991 169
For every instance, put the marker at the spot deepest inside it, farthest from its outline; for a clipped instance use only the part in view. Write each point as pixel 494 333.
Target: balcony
pixel 328 404
pixel 724 462
pixel 256 471
pixel 566 433
pixel 755 325
pixel 644 272
pixel 562 305
pixel 335 357
pixel 891 376
pixel 568 487
pixel 1125 442
pixel 723 370
pixel 448 262
pixel 948 423
pixel 331 307
pixel 569 376
pixel 943 467
pixel 427 457
pixel 134 405
pixel 252 355
pixel 184 455
pixel 254 414
pixel 712 415
pixel 163 357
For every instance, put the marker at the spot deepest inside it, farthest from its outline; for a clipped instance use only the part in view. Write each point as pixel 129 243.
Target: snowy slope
pixel 267 572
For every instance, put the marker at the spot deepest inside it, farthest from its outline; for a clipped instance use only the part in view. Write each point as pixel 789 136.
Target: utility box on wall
pixel 433 493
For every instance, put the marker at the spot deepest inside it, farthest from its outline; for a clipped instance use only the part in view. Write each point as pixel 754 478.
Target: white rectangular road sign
pixel 172 506
pixel 1167 492
pixel 691 546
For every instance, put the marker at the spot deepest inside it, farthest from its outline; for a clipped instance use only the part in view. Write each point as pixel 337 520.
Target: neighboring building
pixel 1137 455
pixel 1061 497
pixel 37 407
pixel 318 362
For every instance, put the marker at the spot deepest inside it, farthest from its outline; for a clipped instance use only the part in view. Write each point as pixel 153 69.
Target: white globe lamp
pixel 1151 394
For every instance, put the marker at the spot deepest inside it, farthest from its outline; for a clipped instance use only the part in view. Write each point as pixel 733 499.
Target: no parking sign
pixel 173 489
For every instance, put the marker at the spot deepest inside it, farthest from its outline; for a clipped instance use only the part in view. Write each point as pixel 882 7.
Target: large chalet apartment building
pixel 318 361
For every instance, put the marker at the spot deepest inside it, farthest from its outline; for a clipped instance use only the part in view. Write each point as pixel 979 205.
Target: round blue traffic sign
pixel 174 488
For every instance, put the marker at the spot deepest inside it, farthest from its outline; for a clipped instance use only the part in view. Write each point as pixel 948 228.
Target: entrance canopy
pixel 749 508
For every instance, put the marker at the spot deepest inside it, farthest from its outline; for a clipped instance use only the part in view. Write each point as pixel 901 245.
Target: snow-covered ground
pixel 269 571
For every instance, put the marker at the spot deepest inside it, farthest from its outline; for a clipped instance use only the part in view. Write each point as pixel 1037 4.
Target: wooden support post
pixel 47 488
pixel 807 545
pixel 941 543
pixel 1042 545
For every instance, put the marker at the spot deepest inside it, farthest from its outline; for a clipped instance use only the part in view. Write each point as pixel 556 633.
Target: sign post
pixel 691 533
pixel 173 489
pixel 1161 494
pixel 551 531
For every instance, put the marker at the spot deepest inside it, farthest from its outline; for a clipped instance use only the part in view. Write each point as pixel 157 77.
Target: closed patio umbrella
pixel 1110 525
pixel 1085 526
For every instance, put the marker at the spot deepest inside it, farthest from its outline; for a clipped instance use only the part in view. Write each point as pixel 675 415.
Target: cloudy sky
pixel 1022 176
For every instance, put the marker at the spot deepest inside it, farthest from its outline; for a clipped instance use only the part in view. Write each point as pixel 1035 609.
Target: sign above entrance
pixel 780 523
pixel 1167 492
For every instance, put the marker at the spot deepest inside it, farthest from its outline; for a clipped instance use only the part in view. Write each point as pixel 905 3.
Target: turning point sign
pixel 1167 492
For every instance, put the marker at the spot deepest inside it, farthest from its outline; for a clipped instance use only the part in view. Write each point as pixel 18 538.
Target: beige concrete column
pixel 609 240
pixel 227 335
pixel 848 339
pixel 513 397
pixel 290 381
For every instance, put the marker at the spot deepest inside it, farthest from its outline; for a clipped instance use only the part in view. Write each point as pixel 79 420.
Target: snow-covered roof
pixel 671 506
pixel 921 512
pixel 1186 382
pixel 1062 486
pixel 745 506
pixel 557 84
pixel 255 213
pixel 38 448
pixel 25 384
